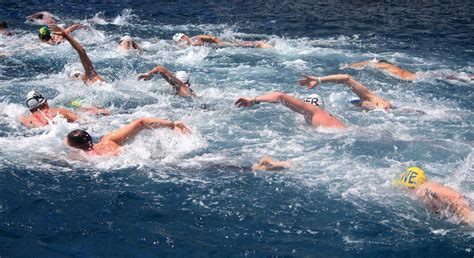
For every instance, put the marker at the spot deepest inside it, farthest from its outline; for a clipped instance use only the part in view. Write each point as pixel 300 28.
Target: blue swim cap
pixel 355 101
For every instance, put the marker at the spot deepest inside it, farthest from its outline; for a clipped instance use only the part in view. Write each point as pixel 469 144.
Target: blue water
pixel 170 195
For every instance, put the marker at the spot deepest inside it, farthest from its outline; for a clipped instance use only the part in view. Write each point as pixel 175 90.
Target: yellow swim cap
pixel 75 103
pixel 412 177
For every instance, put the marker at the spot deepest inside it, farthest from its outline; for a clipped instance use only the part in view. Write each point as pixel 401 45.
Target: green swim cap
pixel 44 34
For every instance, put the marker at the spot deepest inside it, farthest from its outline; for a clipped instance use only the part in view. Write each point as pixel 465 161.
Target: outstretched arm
pixel 209 39
pixel 96 111
pixel 267 163
pixel 90 73
pixel 358 88
pixel 178 86
pixel 70 116
pixel 127 132
pixel 385 66
pixel 292 103
pixel 74 27
pixel 369 99
pixel 359 65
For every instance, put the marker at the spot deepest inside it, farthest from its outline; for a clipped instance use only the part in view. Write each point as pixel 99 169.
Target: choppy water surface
pixel 195 195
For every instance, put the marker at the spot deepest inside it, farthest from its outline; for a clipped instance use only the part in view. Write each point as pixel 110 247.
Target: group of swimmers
pixel 436 196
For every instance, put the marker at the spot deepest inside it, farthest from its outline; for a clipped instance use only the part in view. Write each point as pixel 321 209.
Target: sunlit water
pixel 195 195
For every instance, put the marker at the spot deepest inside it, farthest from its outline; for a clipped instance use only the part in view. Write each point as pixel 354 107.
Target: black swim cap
pixel 80 139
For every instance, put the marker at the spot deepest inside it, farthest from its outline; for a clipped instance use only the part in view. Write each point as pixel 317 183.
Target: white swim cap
pixel 75 74
pixel 34 99
pixel 182 76
pixel 315 99
pixel 126 38
pixel 177 37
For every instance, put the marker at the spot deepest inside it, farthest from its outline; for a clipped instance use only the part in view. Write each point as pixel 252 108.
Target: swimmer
pixel 398 72
pixel 90 76
pixel 127 43
pixel 179 81
pixel 45 36
pixel 268 164
pixel 42 114
pixel 368 99
pixel 201 40
pixel 4 29
pixel 111 143
pixel 312 108
pixel 435 196
pixel 42 18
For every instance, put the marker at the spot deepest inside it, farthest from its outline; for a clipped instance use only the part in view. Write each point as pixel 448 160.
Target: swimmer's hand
pixel 244 102
pixel 180 127
pixel 145 76
pixel 55 29
pixel 309 81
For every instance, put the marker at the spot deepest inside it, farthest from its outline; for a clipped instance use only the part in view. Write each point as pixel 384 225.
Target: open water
pixel 170 195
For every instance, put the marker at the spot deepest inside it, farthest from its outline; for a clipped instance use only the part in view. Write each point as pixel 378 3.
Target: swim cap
pixel 76 74
pixel 315 99
pixel 44 33
pixel 412 177
pixel 76 103
pixel 182 76
pixel 34 100
pixel 177 37
pixel 80 139
pixel 355 100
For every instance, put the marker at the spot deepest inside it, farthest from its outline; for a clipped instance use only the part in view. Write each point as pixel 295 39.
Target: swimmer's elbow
pixel 345 77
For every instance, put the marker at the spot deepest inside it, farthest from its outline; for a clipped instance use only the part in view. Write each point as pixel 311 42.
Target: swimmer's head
pixel 44 34
pixel 177 37
pixel 315 99
pixel 35 100
pixel 182 76
pixel 79 139
pixel 76 75
pixel 412 178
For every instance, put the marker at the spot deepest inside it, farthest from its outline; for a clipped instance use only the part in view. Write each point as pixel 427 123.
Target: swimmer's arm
pixel 358 88
pixel 267 163
pixel 359 65
pixel 96 111
pixel 209 39
pixel 290 102
pixel 74 27
pixel 70 116
pixel 180 88
pixel 85 60
pixel 127 132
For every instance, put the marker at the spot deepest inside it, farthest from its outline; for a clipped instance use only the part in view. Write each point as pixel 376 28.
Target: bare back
pixel 441 198
pixel 40 118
